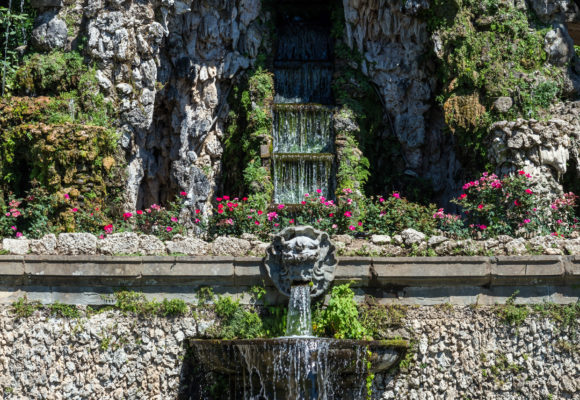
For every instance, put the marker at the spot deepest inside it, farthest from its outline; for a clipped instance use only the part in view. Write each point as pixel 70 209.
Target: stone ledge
pixel 430 271
pixel 247 271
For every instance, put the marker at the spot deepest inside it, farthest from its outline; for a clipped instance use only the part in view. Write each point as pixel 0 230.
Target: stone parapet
pixel 418 280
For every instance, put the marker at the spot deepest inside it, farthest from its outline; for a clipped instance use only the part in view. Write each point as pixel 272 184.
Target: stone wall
pixel 408 243
pixel 543 148
pixel 457 353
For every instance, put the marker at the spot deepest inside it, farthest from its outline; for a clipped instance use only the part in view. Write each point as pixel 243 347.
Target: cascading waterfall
pixel 302 128
pixel 297 366
pixel 298 174
pixel 303 159
pixel 290 368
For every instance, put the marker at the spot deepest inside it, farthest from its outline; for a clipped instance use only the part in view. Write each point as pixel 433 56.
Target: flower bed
pixel 492 207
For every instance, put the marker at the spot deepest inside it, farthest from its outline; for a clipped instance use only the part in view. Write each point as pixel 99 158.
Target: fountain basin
pixel 288 367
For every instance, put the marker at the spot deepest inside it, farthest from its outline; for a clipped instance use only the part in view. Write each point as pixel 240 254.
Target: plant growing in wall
pixel 489 50
pixel 249 127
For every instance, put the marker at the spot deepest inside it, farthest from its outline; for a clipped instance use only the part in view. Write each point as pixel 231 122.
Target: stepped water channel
pixel 303 139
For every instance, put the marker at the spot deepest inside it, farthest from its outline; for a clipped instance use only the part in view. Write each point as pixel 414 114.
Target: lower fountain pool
pixel 287 368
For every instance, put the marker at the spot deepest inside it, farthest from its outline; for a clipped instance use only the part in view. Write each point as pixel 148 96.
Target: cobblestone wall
pixel 457 353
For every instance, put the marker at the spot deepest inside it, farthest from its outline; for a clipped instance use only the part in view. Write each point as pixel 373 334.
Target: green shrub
pixel 135 302
pixel 340 319
pixel 45 74
pixel 249 125
pixel 487 50
pixel 494 206
pixel 235 321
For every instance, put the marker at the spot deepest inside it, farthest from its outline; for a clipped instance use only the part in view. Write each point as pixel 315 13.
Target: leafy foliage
pixel 340 319
pixel 249 126
pixel 235 321
pixel 495 206
pixel 23 308
pixel 135 302
pixel 64 310
pixel 15 27
pixel 510 313
pixel 486 50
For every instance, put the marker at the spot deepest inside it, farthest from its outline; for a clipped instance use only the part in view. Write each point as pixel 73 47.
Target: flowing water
pixel 299 317
pixel 289 368
pixel 300 174
pixel 303 128
pixel 303 138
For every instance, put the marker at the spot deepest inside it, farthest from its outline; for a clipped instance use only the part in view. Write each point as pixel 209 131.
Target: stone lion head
pixel 298 255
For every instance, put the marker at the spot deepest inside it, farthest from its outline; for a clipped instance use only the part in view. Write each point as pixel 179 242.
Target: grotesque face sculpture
pixel 300 255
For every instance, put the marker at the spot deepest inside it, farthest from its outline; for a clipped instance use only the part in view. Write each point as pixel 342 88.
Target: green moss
pixel 135 302
pixel 567 316
pixel 249 125
pixel 397 343
pixel 64 310
pixel 62 140
pixel 378 319
pixel 45 74
pixel 490 49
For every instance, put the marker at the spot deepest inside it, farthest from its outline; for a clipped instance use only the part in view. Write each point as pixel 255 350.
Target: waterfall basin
pixel 293 367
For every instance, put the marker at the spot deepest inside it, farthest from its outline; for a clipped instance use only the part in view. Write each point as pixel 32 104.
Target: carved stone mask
pixel 298 255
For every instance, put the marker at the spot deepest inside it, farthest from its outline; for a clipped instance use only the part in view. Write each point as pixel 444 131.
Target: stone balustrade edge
pixel 233 271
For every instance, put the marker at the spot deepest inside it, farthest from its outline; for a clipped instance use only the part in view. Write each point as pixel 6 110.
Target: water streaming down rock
pixel 298 41
pixel 298 174
pixel 299 321
pixel 303 128
pixel 303 82
pixel 303 140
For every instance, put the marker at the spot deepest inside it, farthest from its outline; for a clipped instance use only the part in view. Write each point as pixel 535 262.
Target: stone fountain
pixel 301 263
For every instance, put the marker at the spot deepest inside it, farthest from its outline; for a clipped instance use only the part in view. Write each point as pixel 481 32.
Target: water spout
pixel 299 321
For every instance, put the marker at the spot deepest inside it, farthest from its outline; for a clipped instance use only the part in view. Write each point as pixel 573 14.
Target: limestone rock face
pixel 16 246
pixel 189 246
pixel 380 239
pixel 46 245
pixel 50 32
pixel 119 243
pixel 411 236
pixel 169 65
pixel 224 245
pixel 503 104
pixel 559 46
pixel 77 243
pixel 392 40
pixel 541 148
pixel 151 245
